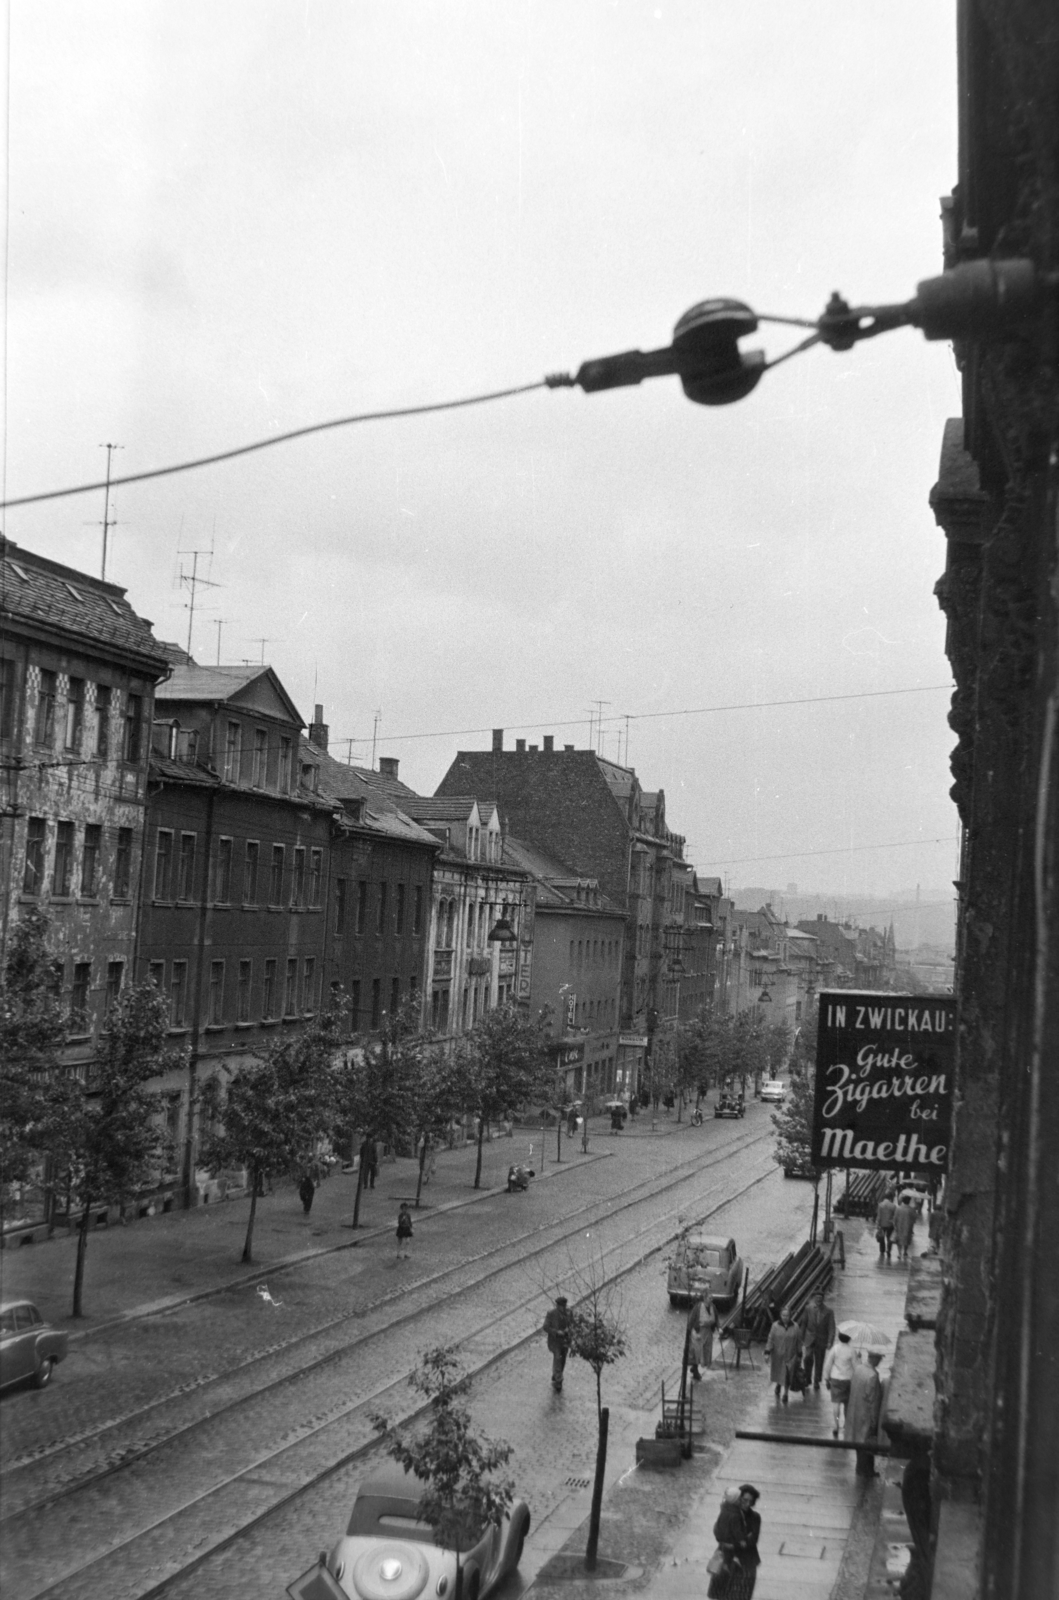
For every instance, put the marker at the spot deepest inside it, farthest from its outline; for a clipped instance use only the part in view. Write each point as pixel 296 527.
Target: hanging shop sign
pixel 884 1068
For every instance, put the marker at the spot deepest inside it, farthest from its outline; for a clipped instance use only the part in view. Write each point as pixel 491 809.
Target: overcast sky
pixel 231 219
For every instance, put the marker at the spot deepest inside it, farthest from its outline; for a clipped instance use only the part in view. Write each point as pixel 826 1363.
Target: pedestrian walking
pixel 783 1345
pixel 864 1410
pixel 744 1577
pixel 306 1191
pixel 838 1373
pixel 884 1224
pixel 369 1162
pixel 702 1325
pixel 404 1231
pixel 904 1226
pixel 730 1532
pixel 817 1324
pixel 557 1331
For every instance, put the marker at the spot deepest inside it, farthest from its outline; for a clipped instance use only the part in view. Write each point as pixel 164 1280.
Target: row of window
pixel 594 953
pixel 65 877
pixel 92 719
pixel 288 990
pixel 480 919
pixel 378 916
pixel 175 861
pixel 80 993
pixel 595 1013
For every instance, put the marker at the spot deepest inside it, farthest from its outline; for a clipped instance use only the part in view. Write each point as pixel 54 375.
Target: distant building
pixel 78 670
pixel 232 925
pixel 594 815
pixel 576 977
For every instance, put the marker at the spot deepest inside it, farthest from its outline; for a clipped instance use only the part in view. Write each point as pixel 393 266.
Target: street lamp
pixel 978 300
pixel 501 933
pixel 764 998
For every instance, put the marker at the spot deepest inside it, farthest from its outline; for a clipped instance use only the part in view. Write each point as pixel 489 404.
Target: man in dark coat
pixel 817 1324
pixel 369 1160
pixel 557 1329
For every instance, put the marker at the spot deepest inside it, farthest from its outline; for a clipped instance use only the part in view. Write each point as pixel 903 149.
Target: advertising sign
pixel 884 1065
pixel 569 1055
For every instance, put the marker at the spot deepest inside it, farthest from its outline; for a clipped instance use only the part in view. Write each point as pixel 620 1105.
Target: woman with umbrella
pixel 862 1413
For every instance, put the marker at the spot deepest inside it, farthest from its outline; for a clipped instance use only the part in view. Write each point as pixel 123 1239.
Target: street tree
pixel 459 1467
pixel 505 1062
pixel 271 1116
pixel 597 1337
pixel 436 1101
pixel 103 1130
pixel 793 1123
pixel 32 1030
pixel 380 1083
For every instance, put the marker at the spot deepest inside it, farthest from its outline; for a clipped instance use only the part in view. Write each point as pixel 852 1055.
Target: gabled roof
pixel 255 689
pixel 75 605
pixel 454 808
pixel 557 883
pixel 339 782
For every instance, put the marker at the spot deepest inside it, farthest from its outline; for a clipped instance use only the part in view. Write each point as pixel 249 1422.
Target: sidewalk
pixel 164 1261
pixel 825 1532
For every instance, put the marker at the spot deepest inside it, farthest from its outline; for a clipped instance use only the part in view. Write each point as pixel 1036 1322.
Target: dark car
pixel 389 1553
pixel 29 1346
pixel 730 1105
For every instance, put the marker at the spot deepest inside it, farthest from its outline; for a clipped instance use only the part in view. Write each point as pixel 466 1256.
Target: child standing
pixel 404 1231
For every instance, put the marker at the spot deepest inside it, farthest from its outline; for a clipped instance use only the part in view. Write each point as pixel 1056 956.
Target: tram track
pixel 409 1297
pixel 180 1541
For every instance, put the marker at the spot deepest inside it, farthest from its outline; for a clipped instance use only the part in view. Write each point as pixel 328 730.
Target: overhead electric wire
pixel 270 441
pixel 839 850
pixel 648 716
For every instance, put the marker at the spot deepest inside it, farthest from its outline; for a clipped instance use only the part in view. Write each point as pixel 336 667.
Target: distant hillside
pixel 931 922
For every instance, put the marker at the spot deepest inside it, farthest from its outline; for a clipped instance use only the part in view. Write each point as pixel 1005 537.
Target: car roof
pixel 391 1482
pixel 9 1305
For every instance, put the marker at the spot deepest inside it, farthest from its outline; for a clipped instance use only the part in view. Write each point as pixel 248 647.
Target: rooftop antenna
pixel 599 704
pixel 262 642
pixel 192 583
pixel 374 737
pixel 108 521
pixel 626 739
pixel 218 623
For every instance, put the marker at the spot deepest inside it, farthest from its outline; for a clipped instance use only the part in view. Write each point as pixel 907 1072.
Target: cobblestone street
pixel 287 1374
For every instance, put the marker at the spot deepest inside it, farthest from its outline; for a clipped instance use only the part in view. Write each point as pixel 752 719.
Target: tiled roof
pixel 75 604
pixel 453 808
pixel 339 782
pixel 192 682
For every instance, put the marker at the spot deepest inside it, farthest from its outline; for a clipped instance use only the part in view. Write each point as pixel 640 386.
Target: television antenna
pixel 192 582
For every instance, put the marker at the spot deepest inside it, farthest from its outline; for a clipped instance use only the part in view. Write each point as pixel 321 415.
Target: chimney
pixel 533 749
pixel 498 740
pixel 318 729
pixel 549 743
pixel 520 746
pixel 388 766
pixel 568 747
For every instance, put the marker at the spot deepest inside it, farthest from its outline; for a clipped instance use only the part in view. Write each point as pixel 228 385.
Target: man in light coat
pixel 864 1410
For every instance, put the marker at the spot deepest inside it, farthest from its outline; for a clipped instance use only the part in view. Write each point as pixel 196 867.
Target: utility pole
pixel 107 523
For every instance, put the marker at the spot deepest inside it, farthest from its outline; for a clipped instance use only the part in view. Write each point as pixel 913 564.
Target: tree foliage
pixel 271 1115
pixel 103 1132
pixel 457 1465
pixel 503 1063
pixel 794 1123
pixel 597 1337
pixel 32 1030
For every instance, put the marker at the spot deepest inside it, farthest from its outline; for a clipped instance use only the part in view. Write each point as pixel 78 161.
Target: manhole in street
pixel 577 1483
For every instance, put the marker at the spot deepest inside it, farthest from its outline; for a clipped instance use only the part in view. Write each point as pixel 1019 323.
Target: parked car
pixel 730 1105
pixel 704 1261
pixel 388 1553
pixel 773 1089
pixel 800 1167
pixel 29 1346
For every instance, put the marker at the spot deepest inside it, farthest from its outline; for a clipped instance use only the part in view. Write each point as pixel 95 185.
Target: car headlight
pixel 443 1584
pixel 339 1569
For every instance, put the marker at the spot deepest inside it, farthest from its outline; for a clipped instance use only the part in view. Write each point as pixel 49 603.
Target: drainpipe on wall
pixel 196 1015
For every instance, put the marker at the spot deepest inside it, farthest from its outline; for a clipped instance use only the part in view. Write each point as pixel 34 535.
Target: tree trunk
pixel 478 1166
pixel 559 1135
pixel 255 1179
pixel 422 1165
pixel 357 1194
pixel 79 1266
pixel 597 1492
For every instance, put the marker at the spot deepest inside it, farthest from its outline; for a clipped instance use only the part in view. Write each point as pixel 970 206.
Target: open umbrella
pixel 865 1335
